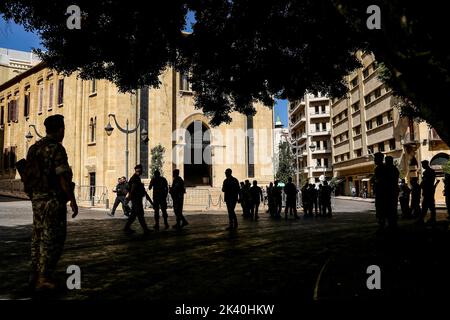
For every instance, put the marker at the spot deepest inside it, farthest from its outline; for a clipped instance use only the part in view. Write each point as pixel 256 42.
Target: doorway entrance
pixel 197 155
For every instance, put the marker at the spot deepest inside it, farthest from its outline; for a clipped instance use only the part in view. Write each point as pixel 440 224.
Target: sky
pixel 13 36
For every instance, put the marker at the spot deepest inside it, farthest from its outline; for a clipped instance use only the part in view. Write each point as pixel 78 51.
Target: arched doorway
pixel 197 155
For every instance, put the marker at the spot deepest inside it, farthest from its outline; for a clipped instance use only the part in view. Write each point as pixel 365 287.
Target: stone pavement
pixel 270 260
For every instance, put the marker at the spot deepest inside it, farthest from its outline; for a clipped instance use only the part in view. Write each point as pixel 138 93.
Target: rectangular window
pixel 317 127
pixel 41 98
pixel 355 106
pixel 370 149
pixel 318 163
pixel 354 82
pixel 324 126
pixel 366 72
pixel 325 145
pixel 26 104
pixel 357 130
pixel 358 153
pixel 94 86
pixel 379 120
pixel 389 115
pixel 325 162
pixel 184 82
pixel 392 144
pixel 50 96
pixel 316 109
pixel 2 115
pixel 381 147
pixel 60 91
pixel 377 92
pixel 324 109
pixel 367 99
pixel 250 148
pixel 369 124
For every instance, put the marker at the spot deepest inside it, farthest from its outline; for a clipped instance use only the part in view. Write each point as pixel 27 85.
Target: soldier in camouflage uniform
pixel 48 182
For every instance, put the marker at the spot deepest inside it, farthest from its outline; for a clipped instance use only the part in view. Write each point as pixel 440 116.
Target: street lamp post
pixel 29 136
pixel 109 129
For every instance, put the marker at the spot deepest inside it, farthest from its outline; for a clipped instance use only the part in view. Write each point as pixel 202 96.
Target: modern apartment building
pixel 310 131
pixel 366 121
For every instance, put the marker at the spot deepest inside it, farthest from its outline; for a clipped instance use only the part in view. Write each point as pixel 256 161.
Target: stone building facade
pixel 166 114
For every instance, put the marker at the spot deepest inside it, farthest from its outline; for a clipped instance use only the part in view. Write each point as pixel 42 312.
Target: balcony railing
pixel 319 114
pixel 321 132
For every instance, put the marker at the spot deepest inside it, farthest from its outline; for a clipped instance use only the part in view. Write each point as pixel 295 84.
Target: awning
pixel 340 180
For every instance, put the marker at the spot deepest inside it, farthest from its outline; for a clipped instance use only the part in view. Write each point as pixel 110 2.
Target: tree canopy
pixel 245 51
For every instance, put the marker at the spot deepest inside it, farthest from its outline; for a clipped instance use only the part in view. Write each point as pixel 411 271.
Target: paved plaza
pixel 269 260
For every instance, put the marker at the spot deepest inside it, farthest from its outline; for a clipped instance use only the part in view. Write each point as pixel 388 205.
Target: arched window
pixel 92 129
pixel 439 160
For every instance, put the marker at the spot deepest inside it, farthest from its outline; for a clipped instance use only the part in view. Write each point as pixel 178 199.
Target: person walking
pixel 428 189
pixel 177 191
pixel 160 192
pixel 291 199
pixel 404 198
pixel 278 200
pixel 121 191
pixel 230 188
pixel 256 197
pixel 271 200
pixel 135 195
pixel 47 179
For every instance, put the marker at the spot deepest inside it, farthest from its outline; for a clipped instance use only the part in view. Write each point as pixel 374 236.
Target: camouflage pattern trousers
pixel 48 235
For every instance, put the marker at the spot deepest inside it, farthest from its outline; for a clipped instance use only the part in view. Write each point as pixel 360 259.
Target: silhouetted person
pixel 135 195
pixel 365 192
pixel 319 199
pixel 428 188
pixel 305 199
pixel 47 179
pixel 315 199
pixel 177 191
pixel 241 198
pixel 230 189
pixel 447 193
pixel 278 200
pixel 256 197
pixel 160 192
pixel 392 191
pixel 271 200
pixel 121 191
pixel 246 198
pixel 312 199
pixel 291 199
pixel 380 181
pixel 404 198
pixel 416 193
pixel 325 200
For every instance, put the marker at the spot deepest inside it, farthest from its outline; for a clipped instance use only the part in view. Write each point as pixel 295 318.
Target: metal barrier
pixel 94 194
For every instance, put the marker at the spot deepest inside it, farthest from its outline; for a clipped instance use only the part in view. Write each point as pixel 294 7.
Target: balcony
pixel 321 169
pixel 409 140
pixel 298 122
pixel 296 105
pixel 321 151
pixel 433 136
pixel 320 132
pixel 318 115
pixel 302 137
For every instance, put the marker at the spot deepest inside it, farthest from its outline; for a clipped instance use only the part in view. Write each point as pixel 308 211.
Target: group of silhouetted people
pixel 388 193
pixel 134 191
pixel 317 199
